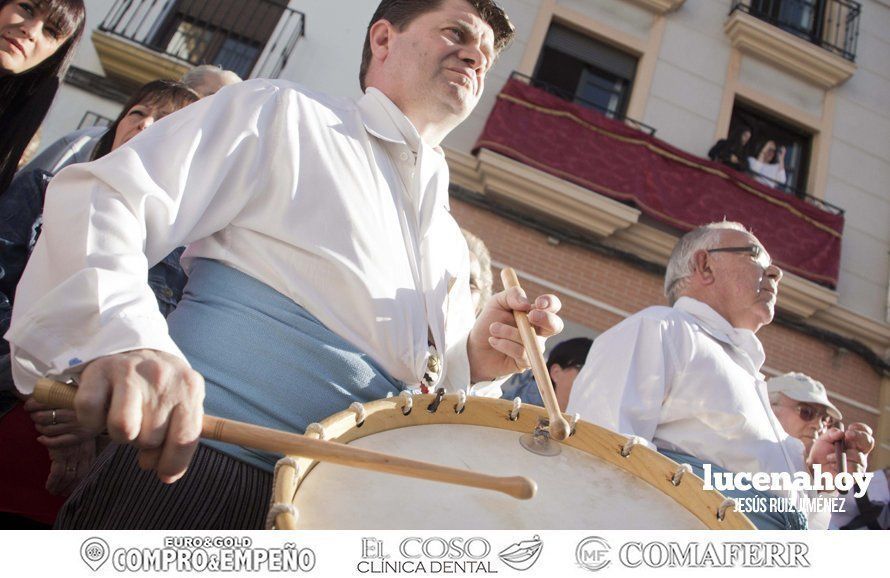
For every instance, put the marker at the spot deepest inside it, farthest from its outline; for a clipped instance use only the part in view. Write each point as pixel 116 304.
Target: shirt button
pixel 404 156
pixel 167 292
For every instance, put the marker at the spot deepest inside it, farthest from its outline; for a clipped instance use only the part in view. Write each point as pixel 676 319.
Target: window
pixel 93 119
pixel 797 16
pixel 228 33
pixel 764 128
pixel 586 71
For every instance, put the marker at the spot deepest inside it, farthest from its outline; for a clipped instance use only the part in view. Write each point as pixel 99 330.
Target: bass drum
pixel 591 484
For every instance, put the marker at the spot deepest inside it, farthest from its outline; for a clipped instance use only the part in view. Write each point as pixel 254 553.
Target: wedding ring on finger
pixel 53 422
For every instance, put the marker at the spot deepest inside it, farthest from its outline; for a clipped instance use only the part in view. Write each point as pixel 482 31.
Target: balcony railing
pixel 797 192
pixel 253 38
pixel 566 95
pixel 831 24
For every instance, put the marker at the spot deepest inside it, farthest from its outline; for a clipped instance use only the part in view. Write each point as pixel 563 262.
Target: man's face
pixel 441 59
pixel 791 414
pixel 745 286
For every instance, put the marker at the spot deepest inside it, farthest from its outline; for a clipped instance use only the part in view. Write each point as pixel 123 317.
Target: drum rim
pixel 387 414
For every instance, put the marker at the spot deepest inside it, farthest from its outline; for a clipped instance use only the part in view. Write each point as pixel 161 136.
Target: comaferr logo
pixel 593 553
pixel 714 555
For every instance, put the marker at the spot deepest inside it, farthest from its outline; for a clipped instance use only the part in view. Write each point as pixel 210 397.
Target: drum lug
pixel 434 406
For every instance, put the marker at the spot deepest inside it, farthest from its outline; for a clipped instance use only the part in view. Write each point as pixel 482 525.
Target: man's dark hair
pixel 400 13
pixel 570 353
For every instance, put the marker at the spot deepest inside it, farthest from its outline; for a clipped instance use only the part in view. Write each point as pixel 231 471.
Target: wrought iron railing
pixel 253 38
pixel 831 24
pixel 567 95
pixel 797 192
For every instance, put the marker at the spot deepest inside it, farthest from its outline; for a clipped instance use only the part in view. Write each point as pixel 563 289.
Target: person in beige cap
pixel 801 406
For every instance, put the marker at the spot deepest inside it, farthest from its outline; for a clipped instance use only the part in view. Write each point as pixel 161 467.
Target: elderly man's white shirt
pixel 685 380
pixel 334 203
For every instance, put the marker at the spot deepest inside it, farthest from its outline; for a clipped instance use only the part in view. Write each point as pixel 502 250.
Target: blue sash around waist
pixel 265 359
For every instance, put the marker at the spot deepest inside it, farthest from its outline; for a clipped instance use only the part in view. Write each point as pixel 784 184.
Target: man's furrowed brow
pixel 469 31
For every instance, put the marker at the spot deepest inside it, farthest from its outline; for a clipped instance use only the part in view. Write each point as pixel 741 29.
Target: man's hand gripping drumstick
pixel 61 395
pixel 509 318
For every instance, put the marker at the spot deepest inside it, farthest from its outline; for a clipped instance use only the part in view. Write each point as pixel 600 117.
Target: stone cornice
pixel 133 63
pixel 619 226
pixel 771 44
pixel 659 6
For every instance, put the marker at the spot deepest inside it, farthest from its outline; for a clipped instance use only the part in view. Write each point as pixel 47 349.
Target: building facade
pixel 664 80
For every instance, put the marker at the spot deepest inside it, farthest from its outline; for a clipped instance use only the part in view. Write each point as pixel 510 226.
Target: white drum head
pixel 576 490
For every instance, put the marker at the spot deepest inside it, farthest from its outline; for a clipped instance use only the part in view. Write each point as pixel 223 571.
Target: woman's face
pixel 139 118
pixel 26 37
pixel 769 151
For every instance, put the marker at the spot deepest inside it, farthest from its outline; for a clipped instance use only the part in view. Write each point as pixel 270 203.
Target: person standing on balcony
pixel 732 151
pixel 324 268
pixel 769 165
pixel 686 379
pixel 37 42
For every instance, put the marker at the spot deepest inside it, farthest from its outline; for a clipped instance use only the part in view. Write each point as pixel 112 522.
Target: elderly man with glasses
pixel 686 379
pixel 801 406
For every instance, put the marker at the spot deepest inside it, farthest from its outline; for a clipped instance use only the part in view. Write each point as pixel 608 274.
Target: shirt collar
pixel 383 119
pixel 721 329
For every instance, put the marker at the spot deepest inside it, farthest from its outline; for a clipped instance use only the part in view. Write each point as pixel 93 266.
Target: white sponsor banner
pixel 447 552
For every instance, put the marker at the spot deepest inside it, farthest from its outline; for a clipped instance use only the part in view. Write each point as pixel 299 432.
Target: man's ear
pixel 702 267
pixel 380 36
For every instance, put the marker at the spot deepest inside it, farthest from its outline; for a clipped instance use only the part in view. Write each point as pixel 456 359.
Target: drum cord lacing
pixel 408 403
pixel 678 475
pixel 360 413
pixel 315 428
pixel 461 402
pixel 277 509
pixel 721 511
pixel 629 446
pixel 514 413
pixel 573 421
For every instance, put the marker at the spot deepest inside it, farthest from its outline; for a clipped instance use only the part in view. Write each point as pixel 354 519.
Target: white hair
pixel 681 264
pixel 198 76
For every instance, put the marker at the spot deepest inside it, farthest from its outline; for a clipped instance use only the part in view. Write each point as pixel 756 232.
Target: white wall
pixel 683 104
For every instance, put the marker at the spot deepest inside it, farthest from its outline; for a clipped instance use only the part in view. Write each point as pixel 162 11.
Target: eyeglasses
pixel 809 413
pixel 757 252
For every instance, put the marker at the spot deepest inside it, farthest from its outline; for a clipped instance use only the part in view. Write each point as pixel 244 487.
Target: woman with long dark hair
pixel 23 499
pixel 37 42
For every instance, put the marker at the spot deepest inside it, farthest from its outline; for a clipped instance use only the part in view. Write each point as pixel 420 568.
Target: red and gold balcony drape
pixel 669 185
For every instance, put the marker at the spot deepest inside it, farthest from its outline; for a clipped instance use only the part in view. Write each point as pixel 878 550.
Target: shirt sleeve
pixel 85 293
pixel 626 377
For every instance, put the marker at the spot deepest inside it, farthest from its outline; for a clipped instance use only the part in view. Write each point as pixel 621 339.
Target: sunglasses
pixel 809 413
pixel 756 252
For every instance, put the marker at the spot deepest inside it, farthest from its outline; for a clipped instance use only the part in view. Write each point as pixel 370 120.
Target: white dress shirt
pixel 336 204
pixel 685 380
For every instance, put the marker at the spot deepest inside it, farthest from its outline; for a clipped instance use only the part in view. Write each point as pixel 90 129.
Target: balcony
pixel 142 40
pixel 577 168
pixel 813 39
pixel 568 96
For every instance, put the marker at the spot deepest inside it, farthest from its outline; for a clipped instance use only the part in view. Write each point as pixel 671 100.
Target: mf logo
pixel 593 553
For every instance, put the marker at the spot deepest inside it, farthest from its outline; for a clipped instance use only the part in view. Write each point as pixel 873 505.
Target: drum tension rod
pixel 434 406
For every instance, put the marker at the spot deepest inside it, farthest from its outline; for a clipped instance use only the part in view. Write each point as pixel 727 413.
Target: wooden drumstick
pixel 559 427
pixel 61 395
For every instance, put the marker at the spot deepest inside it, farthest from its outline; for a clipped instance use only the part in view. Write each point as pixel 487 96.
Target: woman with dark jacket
pixel 732 151
pixel 37 41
